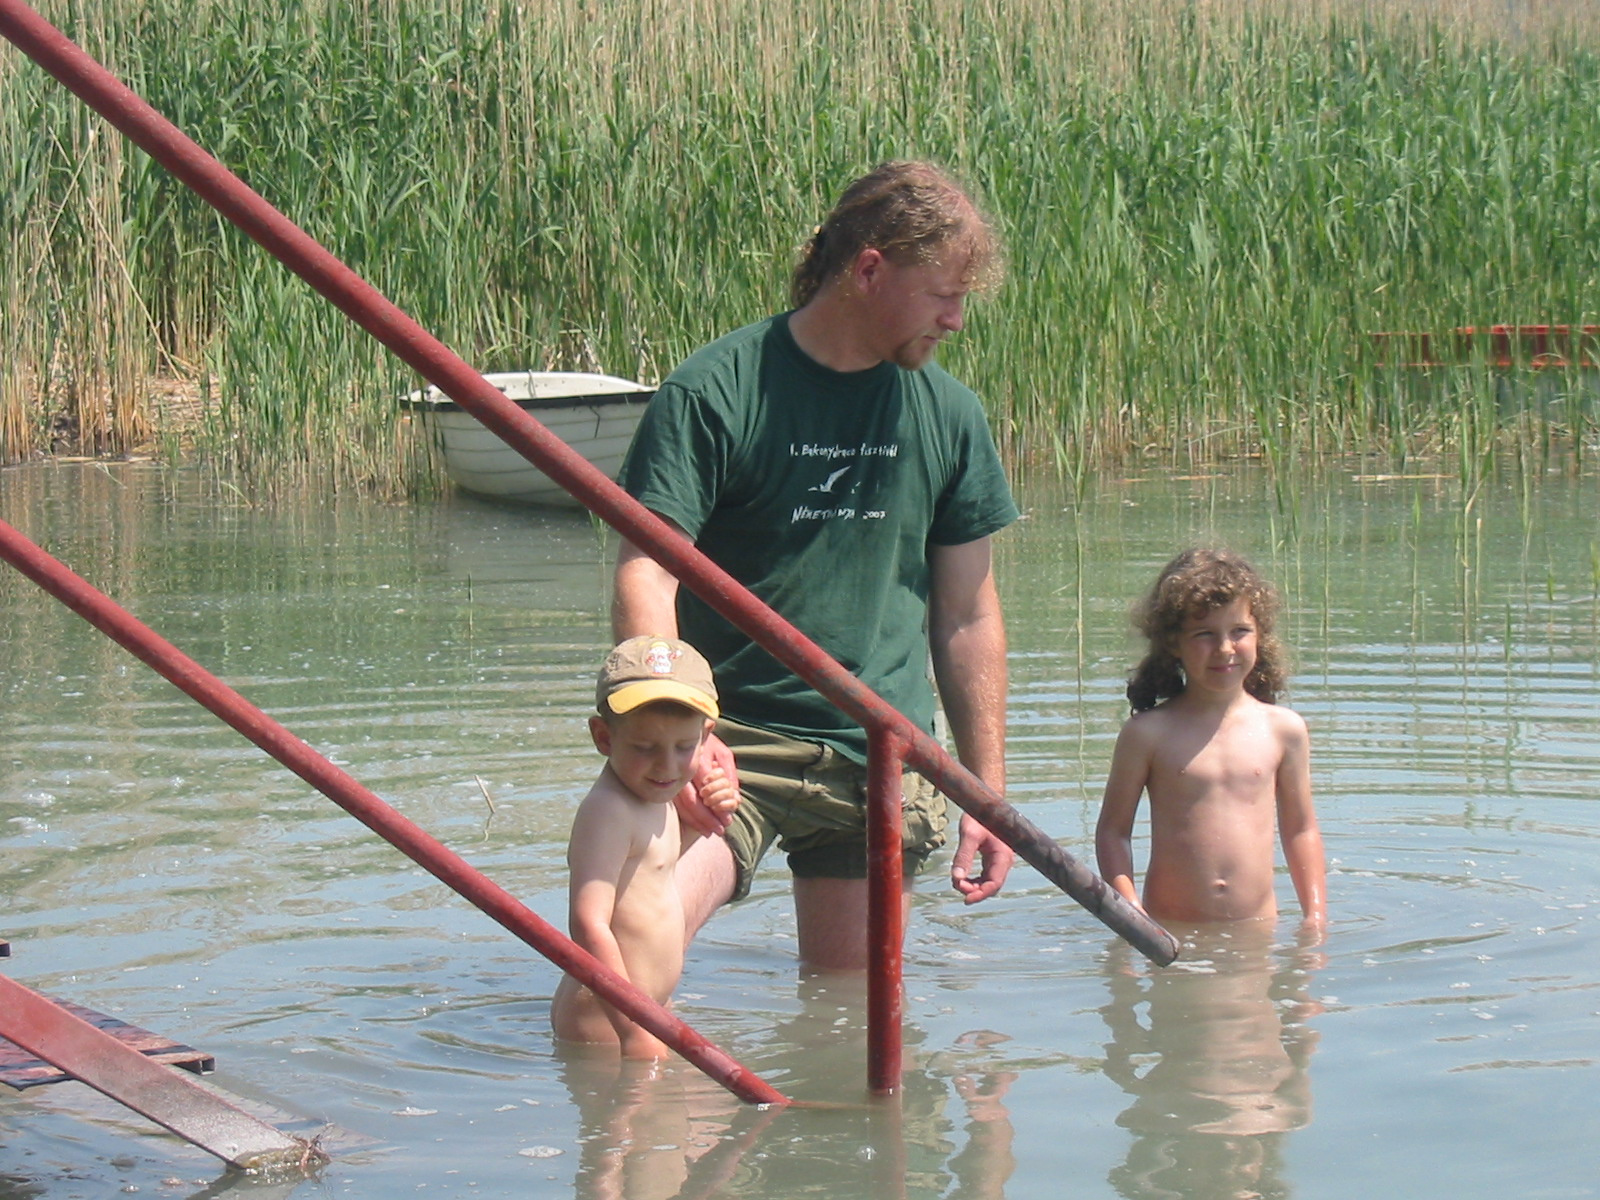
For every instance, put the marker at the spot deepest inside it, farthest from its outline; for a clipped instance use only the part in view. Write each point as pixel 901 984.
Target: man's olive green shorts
pixel 812 801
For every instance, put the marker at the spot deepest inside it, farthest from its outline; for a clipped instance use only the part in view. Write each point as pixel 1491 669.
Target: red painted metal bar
pixel 885 910
pixel 440 366
pixel 455 378
pixel 1557 347
pixel 339 786
pixel 171 1100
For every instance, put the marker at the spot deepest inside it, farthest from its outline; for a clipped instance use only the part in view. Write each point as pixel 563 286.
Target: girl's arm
pixel 1113 834
pixel 1297 821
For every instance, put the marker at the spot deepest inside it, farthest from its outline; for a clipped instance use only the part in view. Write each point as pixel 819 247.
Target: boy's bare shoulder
pixel 609 793
pixel 609 820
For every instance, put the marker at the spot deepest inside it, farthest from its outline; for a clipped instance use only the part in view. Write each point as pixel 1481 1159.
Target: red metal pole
pixel 339 786
pixel 440 366
pixel 455 378
pixel 886 930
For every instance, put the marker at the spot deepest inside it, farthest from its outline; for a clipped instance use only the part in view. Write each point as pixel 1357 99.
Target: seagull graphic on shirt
pixel 827 484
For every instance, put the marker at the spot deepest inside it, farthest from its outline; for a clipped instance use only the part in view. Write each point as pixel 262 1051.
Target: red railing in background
pixel 1503 347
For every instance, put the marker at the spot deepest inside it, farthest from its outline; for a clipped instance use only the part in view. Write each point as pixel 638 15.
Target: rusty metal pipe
pixel 367 807
pixel 440 366
pixel 885 910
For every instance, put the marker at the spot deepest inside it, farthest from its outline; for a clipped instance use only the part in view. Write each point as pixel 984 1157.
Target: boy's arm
pixel 599 848
pixel 716 794
pixel 1113 834
pixel 1297 822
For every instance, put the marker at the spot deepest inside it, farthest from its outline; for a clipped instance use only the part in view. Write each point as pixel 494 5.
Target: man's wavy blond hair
pixel 914 213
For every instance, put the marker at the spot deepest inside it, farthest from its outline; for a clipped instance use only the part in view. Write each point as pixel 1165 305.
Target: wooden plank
pixel 22 1070
pixel 167 1097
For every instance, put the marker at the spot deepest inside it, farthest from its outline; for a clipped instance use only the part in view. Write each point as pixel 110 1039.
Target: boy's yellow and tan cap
pixel 645 669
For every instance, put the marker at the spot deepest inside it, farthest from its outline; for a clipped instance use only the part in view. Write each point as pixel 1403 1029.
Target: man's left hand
pixel 993 856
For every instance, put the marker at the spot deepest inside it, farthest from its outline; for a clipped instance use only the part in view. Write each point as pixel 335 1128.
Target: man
pixel 823 460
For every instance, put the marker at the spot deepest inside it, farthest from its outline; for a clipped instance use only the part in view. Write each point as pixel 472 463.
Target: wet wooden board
pixel 22 1070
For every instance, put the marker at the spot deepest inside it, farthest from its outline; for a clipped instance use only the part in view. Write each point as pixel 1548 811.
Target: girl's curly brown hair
pixel 1193 584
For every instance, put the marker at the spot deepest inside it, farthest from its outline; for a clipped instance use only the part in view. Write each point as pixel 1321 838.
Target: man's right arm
pixel 644 598
pixel 644 602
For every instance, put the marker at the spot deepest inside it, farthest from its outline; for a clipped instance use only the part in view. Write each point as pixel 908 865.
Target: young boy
pixel 1222 763
pixel 656 703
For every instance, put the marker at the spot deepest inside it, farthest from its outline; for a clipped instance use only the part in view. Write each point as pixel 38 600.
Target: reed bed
pixel 1209 207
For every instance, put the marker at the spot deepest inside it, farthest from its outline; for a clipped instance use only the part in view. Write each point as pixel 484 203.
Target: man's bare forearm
pixel 644 596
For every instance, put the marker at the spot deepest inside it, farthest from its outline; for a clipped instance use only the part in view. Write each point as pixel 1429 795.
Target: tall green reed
pixel 1208 207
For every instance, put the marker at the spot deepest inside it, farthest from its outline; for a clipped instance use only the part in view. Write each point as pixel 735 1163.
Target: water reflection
pixel 987 1161
pixel 652 1131
pixel 246 1186
pixel 1217 1068
pixel 666 1132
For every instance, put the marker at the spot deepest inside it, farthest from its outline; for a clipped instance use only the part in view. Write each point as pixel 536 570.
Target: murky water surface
pixel 1442 1041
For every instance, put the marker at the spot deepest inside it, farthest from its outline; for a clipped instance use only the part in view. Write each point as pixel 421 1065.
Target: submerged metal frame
pixel 176 1103
pixel 893 739
pixel 367 807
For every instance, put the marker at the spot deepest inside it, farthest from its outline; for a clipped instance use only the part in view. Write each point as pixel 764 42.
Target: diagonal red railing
pixel 446 370
pixel 344 790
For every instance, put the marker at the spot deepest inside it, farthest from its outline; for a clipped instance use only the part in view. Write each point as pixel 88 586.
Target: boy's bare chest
pixel 655 837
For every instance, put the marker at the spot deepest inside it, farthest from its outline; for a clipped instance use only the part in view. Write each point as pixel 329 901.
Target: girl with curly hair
pixel 1224 766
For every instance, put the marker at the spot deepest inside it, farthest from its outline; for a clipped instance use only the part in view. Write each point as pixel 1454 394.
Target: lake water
pixel 1442 1041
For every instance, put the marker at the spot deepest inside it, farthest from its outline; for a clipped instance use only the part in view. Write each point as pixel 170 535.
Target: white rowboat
pixel 594 414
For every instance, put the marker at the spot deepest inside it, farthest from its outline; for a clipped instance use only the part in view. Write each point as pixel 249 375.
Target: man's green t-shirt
pixel 821 492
